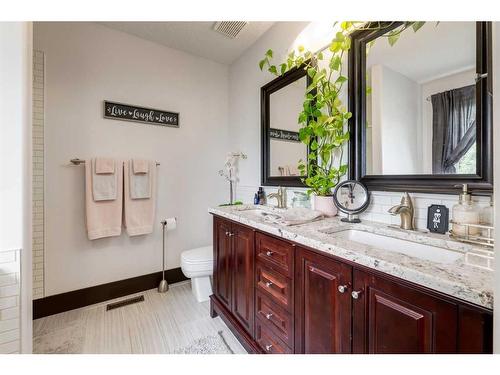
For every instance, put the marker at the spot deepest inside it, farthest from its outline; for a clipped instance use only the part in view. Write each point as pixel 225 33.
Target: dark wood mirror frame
pixel 265 92
pixel 480 183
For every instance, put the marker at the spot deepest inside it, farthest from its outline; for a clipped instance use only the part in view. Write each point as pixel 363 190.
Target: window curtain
pixel 454 127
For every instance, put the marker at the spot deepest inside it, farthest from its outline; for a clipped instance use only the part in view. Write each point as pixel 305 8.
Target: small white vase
pixel 325 205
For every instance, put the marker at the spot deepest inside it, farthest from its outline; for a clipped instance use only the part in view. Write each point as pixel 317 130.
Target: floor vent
pixel 231 29
pixel 125 302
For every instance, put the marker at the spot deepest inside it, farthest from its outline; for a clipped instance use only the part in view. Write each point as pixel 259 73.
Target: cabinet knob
pixel 268 284
pixel 268 347
pixel 269 316
pixel 227 233
pixel 356 293
pixel 342 288
pixel 230 234
pixel 269 253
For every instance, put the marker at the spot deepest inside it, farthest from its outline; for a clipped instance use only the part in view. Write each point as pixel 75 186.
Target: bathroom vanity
pixel 333 287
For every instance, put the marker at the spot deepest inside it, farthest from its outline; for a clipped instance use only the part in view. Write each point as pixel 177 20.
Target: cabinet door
pixel 243 271
pixel 323 311
pixel 389 317
pixel 222 262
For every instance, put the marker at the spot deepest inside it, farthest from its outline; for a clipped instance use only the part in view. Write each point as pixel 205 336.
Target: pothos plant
pixel 324 118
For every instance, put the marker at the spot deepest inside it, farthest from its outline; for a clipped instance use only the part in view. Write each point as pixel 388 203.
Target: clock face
pixel 351 197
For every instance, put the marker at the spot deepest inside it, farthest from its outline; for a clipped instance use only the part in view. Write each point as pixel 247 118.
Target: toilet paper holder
pixel 167 224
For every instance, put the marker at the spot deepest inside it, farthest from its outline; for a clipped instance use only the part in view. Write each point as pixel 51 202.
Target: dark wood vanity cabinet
pixel 234 270
pixel 322 305
pixel 389 317
pixel 279 297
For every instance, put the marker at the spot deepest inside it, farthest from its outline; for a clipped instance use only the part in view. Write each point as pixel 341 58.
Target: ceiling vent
pixel 231 29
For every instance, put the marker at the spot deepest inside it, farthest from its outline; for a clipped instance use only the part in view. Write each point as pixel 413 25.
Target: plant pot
pixel 325 205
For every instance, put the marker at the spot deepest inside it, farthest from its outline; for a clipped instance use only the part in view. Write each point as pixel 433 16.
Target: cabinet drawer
pixel 275 253
pixel 269 341
pixel 275 317
pixel 274 285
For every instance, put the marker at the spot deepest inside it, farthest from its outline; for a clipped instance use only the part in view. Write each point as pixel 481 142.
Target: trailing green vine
pixel 324 118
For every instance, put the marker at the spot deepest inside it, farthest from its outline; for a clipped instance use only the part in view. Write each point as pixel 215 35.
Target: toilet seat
pixel 197 262
pixel 199 255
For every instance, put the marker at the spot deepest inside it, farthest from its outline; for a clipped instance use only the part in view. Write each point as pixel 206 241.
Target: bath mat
pixel 207 345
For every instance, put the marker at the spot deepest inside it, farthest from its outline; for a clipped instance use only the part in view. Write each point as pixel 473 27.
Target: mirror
pixel 286 150
pixel 282 150
pixel 421 101
pixel 423 106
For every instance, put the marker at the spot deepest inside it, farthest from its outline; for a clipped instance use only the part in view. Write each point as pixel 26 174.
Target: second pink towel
pixel 139 213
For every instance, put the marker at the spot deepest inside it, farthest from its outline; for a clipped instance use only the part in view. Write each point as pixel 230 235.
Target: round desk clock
pixel 351 197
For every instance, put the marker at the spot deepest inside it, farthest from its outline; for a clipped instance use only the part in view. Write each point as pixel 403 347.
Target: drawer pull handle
pixel 356 293
pixel 268 347
pixel 268 284
pixel 269 253
pixel 342 288
pixel 269 316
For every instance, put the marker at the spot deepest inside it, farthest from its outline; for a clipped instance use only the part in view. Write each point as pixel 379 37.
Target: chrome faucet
pixel 405 211
pixel 280 197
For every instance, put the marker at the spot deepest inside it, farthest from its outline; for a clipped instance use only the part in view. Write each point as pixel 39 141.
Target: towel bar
pixel 77 161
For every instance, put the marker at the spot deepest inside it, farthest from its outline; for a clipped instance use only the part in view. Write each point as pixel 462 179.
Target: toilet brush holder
pixel 165 224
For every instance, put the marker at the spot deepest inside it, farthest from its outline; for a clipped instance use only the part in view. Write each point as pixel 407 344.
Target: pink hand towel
pixel 104 166
pixel 139 213
pixel 140 166
pixel 104 218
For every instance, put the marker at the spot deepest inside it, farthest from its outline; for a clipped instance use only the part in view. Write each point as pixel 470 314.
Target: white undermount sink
pixel 413 249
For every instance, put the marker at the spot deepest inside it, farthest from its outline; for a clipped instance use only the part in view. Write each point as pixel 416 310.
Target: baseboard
pixel 88 296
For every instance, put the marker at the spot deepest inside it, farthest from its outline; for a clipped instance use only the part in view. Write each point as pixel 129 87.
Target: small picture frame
pixel 437 218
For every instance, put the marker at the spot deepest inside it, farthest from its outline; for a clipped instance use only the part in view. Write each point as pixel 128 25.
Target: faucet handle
pixel 406 199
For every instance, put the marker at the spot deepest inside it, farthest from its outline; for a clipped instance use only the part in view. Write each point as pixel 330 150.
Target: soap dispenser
pixel 465 212
pixel 486 218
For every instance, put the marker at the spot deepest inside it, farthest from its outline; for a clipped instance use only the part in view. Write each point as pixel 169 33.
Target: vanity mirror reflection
pixel 281 103
pixel 421 104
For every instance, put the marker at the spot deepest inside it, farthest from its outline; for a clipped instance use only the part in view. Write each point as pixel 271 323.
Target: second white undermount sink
pixel 413 249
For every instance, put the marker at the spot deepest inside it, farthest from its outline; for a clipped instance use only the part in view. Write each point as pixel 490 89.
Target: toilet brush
pixel 163 287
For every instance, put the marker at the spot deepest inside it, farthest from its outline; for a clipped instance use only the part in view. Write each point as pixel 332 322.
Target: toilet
pixel 197 264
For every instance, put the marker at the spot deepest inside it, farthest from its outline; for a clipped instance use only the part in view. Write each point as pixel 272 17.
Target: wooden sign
pixel 284 135
pixel 438 218
pixel 126 112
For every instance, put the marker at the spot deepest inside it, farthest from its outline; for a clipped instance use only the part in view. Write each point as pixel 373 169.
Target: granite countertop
pixel 458 278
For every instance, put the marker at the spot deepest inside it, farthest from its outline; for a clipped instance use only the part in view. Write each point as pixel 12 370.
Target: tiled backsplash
pixel 38 174
pixel 380 202
pixel 9 301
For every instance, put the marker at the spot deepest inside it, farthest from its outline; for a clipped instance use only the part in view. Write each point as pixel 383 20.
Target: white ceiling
pixel 432 52
pixel 197 38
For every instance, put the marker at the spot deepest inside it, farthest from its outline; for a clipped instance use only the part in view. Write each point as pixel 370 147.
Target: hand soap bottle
pixel 486 218
pixel 465 212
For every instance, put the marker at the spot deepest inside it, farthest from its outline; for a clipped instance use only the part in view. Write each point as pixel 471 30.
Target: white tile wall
pixel 38 173
pixel 380 203
pixel 9 301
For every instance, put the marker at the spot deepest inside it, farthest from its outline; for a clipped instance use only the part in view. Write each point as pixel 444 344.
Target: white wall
pixel 85 64
pixel 453 81
pixel 395 116
pixel 15 187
